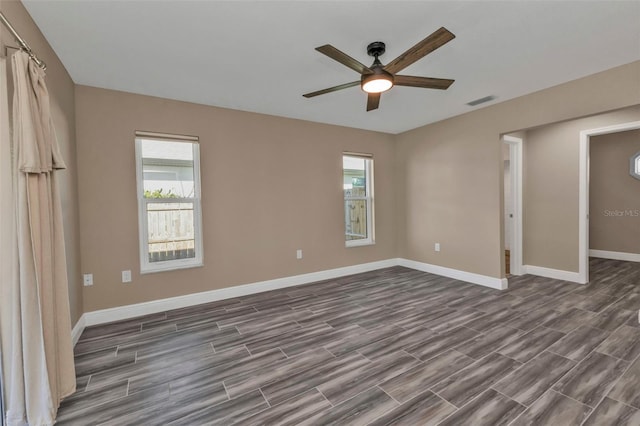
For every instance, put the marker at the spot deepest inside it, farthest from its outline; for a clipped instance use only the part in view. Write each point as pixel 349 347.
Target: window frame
pixel 634 165
pixel 369 199
pixel 147 267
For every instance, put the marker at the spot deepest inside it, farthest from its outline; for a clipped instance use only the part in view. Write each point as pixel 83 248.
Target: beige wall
pixel 269 186
pixel 614 195
pixel 450 173
pixel 550 195
pixel 61 91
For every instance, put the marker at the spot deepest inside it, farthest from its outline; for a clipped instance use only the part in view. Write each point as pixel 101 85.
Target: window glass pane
pixel 170 231
pixel 354 177
pixel 355 217
pixel 638 165
pixel 167 169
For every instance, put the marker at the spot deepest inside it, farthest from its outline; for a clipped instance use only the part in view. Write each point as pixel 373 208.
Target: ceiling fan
pixel 379 78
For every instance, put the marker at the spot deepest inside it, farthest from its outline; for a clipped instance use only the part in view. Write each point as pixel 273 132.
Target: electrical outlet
pixel 437 247
pixel 126 276
pixel 87 279
pixel 299 254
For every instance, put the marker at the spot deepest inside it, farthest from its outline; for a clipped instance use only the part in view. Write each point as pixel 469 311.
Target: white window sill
pixel 170 267
pixel 359 243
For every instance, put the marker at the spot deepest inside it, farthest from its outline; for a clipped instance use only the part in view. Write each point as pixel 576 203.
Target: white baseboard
pixel 130 311
pixel 470 277
pixel 615 255
pixel 78 329
pixel 553 273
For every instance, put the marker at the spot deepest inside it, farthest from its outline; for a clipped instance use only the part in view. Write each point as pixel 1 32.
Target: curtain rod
pixel 23 44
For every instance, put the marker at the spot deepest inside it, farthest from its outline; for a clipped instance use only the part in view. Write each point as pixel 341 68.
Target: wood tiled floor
pixel 388 347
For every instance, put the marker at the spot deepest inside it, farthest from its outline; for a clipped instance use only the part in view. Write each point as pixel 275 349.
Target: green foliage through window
pixel 159 194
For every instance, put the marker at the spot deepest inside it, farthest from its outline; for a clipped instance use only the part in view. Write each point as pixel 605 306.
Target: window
pixel 635 165
pixel 357 179
pixel 169 213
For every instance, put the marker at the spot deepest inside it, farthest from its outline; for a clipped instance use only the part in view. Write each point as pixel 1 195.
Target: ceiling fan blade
pixel 423 48
pixel 332 89
pixel 424 82
pixel 373 100
pixel 344 59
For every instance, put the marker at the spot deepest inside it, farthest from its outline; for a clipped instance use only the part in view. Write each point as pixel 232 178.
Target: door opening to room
pixel 512 160
pixel 608 206
pixel 614 201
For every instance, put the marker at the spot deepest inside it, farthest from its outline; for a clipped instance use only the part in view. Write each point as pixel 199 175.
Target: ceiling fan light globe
pixel 377 85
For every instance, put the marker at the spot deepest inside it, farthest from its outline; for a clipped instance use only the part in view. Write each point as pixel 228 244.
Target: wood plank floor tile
pixel 418 379
pixel 94 345
pixel 125 326
pixel 116 410
pixel 177 341
pixel 105 359
pixel 491 341
pixel 531 344
pixel 111 330
pixel 397 342
pixel 214 368
pixel 204 307
pixel 597 302
pixel 611 412
pixel 553 409
pixel 359 410
pixel 611 319
pixel 291 412
pixel 242 382
pixel 631 302
pixel 454 319
pixel 258 324
pixel 526 384
pixel 488 409
pixel 592 378
pixel 435 345
pixel 351 383
pixel 626 389
pixel 289 338
pixel 232 411
pixel 222 343
pixel 579 343
pixel 306 343
pixel 474 379
pixel 499 303
pixel 419 315
pixel 568 302
pixel 165 366
pixel 493 320
pixel 352 343
pixel 290 386
pixel 81 400
pixel 531 320
pixel 569 320
pixel 426 409
pixel 624 343
pixel 178 405
pixel 530 303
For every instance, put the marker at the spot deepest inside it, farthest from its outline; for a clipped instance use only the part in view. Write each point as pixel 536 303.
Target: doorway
pixel 512 158
pixel 583 202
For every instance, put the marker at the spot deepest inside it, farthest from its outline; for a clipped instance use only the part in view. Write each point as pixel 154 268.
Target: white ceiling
pixel 259 55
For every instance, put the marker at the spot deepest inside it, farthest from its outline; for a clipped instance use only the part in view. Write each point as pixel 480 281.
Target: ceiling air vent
pixel 481 100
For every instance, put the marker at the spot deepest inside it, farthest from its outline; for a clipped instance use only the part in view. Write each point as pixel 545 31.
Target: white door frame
pixel 515 164
pixel 583 201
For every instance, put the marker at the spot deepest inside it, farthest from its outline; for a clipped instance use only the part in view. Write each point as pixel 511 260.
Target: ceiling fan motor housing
pixel 375 49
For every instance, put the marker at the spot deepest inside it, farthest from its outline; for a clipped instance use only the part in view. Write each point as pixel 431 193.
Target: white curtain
pixel 35 325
